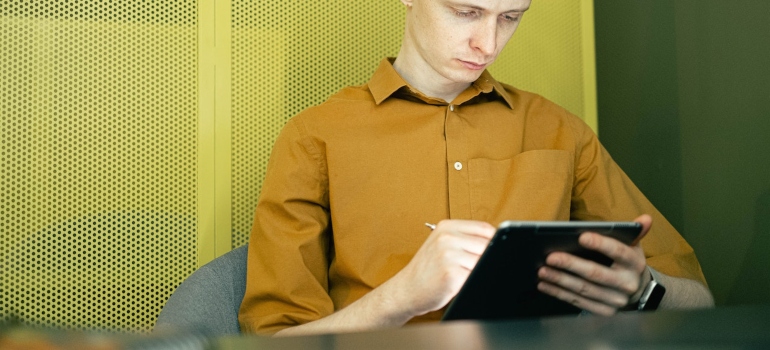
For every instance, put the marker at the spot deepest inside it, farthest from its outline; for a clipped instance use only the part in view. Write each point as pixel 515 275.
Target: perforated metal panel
pixel 548 53
pixel 98 119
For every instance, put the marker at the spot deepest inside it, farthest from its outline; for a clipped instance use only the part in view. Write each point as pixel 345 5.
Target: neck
pixel 420 75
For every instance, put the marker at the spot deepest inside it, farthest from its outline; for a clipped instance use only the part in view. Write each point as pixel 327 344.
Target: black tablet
pixel 503 285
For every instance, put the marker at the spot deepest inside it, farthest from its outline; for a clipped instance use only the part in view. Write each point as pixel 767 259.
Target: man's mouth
pixel 472 65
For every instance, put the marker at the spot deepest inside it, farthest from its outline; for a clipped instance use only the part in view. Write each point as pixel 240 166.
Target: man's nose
pixel 485 38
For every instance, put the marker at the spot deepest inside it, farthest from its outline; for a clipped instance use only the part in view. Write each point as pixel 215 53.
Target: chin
pixel 467 76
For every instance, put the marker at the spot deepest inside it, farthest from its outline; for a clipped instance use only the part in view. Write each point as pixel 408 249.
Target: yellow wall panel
pixel 257 105
pixel 552 54
pixel 99 174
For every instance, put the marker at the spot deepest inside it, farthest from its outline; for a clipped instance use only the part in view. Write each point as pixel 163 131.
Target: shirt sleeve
pixel 603 192
pixel 287 271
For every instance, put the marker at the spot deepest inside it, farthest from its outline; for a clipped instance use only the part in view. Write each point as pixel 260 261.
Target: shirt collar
pixel 386 81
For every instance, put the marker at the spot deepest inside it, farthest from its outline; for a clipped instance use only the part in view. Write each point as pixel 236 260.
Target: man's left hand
pixel 591 286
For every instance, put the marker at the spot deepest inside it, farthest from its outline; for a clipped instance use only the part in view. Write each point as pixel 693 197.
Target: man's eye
pixel 465 13
pixel 510 18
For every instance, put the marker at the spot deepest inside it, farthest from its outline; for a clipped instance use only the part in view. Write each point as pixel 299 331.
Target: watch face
pixel 653 299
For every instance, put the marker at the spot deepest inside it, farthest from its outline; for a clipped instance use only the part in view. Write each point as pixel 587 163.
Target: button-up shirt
pixel 351 183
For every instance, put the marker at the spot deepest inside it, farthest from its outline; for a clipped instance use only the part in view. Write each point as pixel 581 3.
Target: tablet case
pixel 503 285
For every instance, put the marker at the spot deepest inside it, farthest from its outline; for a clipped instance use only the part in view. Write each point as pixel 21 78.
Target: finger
pixel 583 287
pixel 622 279
pixel 576 300
pixel 619 252
pixel 646 222
pixel 458 241
pixel 614 249
pixel 468 227
pixel 475 245
pixel 453 258
pixel 467 260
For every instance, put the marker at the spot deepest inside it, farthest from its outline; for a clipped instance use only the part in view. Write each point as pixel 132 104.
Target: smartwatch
pixel 652 295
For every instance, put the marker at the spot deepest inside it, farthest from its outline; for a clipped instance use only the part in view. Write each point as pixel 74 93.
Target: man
pixel 338 242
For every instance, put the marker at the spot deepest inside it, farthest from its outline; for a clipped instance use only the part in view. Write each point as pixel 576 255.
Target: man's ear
pixel 407 3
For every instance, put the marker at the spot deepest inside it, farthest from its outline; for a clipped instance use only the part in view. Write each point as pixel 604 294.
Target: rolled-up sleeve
pixel 603 192
pixel 288 260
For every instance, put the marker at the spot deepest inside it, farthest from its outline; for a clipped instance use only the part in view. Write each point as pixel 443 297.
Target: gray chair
pixel 207 302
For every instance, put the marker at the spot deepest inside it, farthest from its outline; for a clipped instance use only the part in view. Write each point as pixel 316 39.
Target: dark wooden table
pixel 744 327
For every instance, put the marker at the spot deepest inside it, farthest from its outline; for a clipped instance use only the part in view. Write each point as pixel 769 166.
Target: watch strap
pixel 653 293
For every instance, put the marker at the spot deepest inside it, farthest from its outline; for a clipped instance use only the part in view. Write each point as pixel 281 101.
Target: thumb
pixel 646 222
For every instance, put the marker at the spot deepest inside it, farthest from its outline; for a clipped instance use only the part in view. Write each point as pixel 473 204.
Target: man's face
pixel 458 39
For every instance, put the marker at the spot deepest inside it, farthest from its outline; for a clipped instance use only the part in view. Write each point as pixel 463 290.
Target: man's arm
pixel 603 192
pixel 430 280
pixel 291 247
pixel 606 290
pixel 683 293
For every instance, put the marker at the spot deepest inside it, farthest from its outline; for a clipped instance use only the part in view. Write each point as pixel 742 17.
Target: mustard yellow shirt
pixel 351 182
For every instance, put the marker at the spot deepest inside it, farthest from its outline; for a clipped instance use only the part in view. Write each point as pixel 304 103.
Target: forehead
pixel 490 5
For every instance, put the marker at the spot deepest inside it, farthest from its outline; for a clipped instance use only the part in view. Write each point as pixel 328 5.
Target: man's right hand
pixel 438 270
pixel 430 280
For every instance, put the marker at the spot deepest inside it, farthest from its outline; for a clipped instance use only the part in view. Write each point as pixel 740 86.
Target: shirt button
pixel 452 108
pixel 458 166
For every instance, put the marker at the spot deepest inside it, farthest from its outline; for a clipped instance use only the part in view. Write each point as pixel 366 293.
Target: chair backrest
pixel 207 302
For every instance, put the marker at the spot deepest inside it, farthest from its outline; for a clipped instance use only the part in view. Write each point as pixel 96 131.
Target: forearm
pixel 430 280
pixel 377 309
pixel 682 293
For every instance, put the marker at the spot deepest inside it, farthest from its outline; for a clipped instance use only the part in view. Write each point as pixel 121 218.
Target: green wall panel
pixel 683 92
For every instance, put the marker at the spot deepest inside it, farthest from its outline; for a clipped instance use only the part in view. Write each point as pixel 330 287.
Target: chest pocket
pixel 534 185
